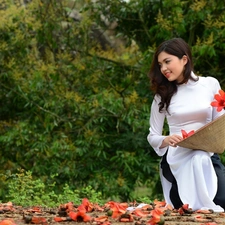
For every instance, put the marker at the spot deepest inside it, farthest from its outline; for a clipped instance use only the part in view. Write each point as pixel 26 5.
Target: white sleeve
pixel 155 137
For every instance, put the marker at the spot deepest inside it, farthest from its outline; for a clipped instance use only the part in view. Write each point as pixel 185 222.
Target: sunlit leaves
pixel 198 5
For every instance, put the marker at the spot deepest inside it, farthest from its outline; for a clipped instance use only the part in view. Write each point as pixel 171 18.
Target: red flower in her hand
pixel 220 101
pixel 185 134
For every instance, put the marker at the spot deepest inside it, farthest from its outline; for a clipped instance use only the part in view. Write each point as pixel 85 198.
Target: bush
pixel 24 190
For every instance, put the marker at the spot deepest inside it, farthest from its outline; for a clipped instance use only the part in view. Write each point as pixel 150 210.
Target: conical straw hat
pixel 210 138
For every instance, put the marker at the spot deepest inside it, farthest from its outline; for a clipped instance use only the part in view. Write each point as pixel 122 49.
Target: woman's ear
pixel 185 59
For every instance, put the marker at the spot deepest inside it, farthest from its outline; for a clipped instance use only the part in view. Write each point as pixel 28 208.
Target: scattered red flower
pixel 154 213
pixel 67 207
pixel 185 206
pixel 140 213
pixel 60 219
pixel 117 208
pixel 185 209
pixel 185 134
pixel 148 207
pixel 80 216
pixel 158 203
pixel 87 205
pixel 7 222
pixel 220 100
pixel 209 223
pixel 34 209
pixel 39 220
pixel 204 211
pixel 98 208
pixel 101 219
pixel 157 217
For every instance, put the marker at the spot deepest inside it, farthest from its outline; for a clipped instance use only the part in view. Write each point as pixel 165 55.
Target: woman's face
pixel 171 66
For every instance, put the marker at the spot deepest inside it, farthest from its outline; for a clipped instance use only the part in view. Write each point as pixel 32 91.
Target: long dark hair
pixel 159 83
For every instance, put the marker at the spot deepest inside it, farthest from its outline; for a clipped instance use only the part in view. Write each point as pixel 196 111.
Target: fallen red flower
pixel 181 211
pixel 185 134
pixel 7 222
pixel 185 206
pixel 67 207
pixel 185 209
pixel 157 217
pixel 34 209
pixel 204 211
pixel 140 213
pixel 117 208
pixel 101 219
pixel 80 216
pixel 60 219
pixel 89 207
pixel 147 207
pixel 38 220
pixel 81 208
pixel 220 100
pixel 125 220
pixel 98 208
pixel 209 223
pixel 158 203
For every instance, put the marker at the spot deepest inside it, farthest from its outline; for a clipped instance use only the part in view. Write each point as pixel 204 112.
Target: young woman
pixel 193 177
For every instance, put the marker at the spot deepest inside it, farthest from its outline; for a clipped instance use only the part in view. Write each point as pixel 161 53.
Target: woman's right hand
pixel 171 140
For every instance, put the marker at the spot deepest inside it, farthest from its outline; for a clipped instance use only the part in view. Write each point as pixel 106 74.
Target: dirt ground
pixel 39 215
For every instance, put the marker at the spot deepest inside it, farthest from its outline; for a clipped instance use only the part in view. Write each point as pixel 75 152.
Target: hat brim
pixel 210 138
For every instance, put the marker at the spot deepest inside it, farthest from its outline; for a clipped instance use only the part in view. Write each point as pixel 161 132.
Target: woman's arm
pixel 155 137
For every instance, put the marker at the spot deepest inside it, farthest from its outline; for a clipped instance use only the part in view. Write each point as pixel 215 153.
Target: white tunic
pixel 189 110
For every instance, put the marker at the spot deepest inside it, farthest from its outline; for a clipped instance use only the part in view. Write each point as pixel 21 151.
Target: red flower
pixel 89 207
pixel 157 217
pixel 67 207
pixel 39 220
pixel 80 216
pixel 60 219
pixel 158 204
pixel 140 213
pixel 210 223
pixel 220 101
pixel 185 209
pixel 185 134
pixel 101 219
pixel 117 208
pixel 7 222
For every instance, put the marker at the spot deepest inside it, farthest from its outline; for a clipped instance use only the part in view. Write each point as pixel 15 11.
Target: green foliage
pixel 144 199
pixel 69 107
pixel 92 195
pixel 200 23
pixel 75 96
pixel 25 190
